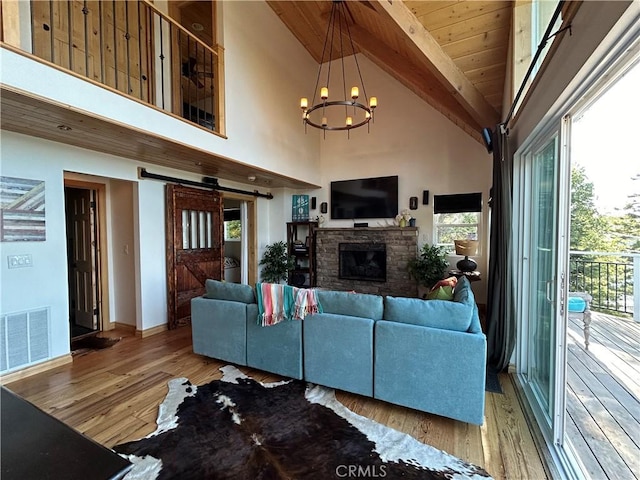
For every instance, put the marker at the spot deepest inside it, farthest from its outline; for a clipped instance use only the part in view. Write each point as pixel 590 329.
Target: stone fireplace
pixel 367 260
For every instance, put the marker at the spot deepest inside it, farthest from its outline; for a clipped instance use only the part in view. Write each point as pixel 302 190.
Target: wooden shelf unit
pixel 301 244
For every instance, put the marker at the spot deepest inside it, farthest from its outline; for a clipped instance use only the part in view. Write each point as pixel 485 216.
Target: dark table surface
pixel 35 445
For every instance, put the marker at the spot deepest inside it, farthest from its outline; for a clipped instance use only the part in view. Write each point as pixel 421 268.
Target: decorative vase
pixel 412 222
pixel 403 222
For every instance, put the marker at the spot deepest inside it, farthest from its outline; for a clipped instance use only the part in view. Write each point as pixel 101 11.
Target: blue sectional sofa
pixel 427 355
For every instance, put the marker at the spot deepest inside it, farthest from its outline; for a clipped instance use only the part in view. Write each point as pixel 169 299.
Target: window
pixel 232 230
pixel 530 20
pixel 232 224
pixel 456 217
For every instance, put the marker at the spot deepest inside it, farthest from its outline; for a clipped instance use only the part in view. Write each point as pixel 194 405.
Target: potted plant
pixel 429 266
pixel 276 263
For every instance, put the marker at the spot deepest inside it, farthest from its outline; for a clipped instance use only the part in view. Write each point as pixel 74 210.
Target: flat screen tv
pixel 364 198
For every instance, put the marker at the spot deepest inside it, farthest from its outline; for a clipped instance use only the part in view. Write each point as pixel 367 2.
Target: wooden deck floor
pixel 112 395
pixel 603 397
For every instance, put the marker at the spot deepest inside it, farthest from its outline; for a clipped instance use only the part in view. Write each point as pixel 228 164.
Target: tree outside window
pixel 455 226
pixel 232 230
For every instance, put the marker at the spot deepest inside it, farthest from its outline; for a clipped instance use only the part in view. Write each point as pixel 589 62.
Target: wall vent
pixel 24 338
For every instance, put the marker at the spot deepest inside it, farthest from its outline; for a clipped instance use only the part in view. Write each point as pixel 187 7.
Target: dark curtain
pixel 501 321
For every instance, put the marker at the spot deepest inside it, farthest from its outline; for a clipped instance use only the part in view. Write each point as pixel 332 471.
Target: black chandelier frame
pixel 338 10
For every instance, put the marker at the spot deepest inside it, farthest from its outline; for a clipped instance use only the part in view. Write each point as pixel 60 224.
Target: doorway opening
pixel 83 261
pixel 240 264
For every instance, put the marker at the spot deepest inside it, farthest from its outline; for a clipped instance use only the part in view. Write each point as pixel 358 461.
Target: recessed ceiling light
pixel 64 128
pixel 251 178
pixel 198 27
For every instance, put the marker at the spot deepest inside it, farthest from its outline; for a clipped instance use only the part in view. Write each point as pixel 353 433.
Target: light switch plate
pixel 19 261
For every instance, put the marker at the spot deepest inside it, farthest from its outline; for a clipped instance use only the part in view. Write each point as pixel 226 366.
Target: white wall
pixel 135 217
pixel 266 72
pixel 416 142
pixel 44 284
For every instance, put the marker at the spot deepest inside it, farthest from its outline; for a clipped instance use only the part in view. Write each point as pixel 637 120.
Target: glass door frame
pixel 552 425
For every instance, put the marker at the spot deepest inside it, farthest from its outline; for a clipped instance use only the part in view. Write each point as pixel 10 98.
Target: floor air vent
pixel 24 338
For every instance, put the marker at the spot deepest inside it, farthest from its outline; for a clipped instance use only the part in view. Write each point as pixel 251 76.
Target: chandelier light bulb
pixel 304 103
pixel 354 92
pixel 349 121
pixel 324 93
pixel 324 121
pixel 367 115
pixel 373 102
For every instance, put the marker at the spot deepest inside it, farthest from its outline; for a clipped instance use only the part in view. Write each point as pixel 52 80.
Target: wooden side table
pixel 471 276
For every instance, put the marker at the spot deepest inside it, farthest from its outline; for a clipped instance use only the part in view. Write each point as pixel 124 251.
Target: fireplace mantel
pixel 401 246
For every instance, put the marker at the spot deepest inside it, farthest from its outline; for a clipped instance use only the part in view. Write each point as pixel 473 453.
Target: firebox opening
pixel 363 261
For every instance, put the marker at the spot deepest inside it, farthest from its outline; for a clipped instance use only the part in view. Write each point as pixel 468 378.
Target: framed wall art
pixel 22 210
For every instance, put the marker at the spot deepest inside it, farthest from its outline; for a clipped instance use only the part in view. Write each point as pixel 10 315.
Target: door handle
pixel 548 293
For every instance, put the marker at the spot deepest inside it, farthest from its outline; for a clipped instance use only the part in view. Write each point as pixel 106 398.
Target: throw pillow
pixel 442 290
pixel 447 282
pixel 440 293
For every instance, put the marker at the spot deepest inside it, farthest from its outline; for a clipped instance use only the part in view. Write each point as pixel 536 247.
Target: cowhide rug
pixel 238 428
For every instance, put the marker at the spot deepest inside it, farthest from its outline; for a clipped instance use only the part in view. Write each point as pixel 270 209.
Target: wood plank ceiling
pixel 452 54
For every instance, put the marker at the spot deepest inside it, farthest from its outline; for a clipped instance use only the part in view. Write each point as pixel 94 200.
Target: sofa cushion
pixel 353 304
pixel 234 292
pixel 441 314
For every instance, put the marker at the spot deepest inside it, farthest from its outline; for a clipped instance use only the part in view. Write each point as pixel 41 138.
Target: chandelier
pixel 328 114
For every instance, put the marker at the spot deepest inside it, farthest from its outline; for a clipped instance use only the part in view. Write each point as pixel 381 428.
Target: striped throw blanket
pixel 277 302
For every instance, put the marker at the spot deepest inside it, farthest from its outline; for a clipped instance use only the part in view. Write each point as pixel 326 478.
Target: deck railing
pixel 612 279
pixel 132 47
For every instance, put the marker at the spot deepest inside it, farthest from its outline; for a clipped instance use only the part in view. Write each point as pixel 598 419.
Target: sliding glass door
pixel 543 260
pixel 541 256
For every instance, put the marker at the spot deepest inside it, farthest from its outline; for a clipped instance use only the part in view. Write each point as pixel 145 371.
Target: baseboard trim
pixel 35 369
pixel 124 326
pixel 151 331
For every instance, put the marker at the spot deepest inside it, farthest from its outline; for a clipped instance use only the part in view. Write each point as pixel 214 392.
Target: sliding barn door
pixel 194 247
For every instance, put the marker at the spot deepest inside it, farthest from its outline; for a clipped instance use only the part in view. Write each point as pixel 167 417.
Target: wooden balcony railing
pixel 132 47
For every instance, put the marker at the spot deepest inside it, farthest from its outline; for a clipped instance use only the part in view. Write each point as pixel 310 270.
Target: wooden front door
pixel 194 247
pixel 82 258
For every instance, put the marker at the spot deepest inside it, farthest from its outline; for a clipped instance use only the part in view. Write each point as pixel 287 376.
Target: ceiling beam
pixel 414 78
pixel 433 57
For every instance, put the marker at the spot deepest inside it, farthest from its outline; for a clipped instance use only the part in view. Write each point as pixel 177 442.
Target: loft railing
pixel 132 47
pixel 612 279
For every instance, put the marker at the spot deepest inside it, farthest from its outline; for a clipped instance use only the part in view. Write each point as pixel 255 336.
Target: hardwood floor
pixel 112 395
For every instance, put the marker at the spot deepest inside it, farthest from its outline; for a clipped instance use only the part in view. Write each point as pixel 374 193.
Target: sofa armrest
pixel 219 328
